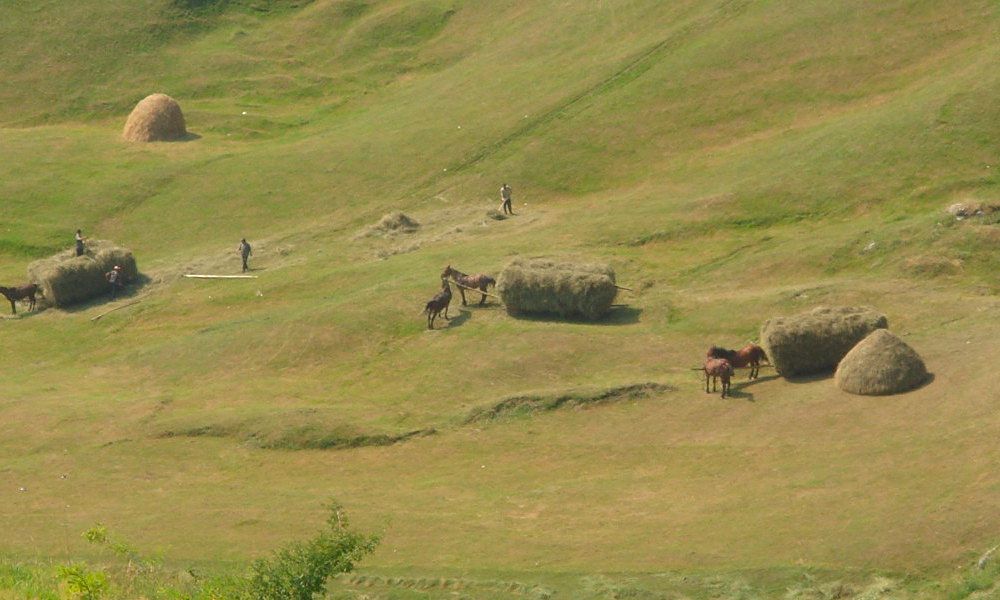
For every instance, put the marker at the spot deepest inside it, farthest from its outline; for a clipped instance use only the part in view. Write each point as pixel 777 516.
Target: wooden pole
pixel 107 312
pixel 624 288
pixel 475 289
pixel 193 276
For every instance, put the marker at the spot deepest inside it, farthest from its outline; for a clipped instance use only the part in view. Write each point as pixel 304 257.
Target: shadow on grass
pixel 736 392
pixel 811 378
pixel 619 315
pixel 129 292
pixel 458 321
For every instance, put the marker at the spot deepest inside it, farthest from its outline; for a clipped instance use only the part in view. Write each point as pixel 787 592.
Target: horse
pixel 438 303
pixel 718 368
pixel 479 282
pixel 20 293
pixel 748 356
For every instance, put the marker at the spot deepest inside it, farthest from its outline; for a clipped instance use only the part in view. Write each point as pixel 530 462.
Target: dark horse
pixel 438 303
pixel 747 356
pixel 479 282
pixel 718 368
pixel 20 293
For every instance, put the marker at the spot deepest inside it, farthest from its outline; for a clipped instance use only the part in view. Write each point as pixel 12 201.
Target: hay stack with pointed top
pixel 879 365
pixel 816 341
pixel 564 289
pixel 68 279
pixel 156 118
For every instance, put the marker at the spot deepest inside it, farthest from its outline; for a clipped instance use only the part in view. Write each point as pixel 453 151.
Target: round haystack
pixel 157 118
pixel 880 364
pixel 68 279
pixel 816 341
pixel 565 289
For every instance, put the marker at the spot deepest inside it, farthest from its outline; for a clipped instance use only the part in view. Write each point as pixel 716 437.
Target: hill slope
pixel 733 160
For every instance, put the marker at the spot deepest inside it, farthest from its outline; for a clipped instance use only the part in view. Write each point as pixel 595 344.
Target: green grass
pixel 732 160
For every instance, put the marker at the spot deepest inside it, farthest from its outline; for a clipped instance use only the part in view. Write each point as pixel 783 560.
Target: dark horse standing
pixel 20 293
pixel 438 303
pixel 479 282
pixel 747 356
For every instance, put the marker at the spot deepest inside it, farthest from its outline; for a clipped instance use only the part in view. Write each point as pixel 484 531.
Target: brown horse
pixel 438 303
pixel 479 282
pixel 718 368
pixel 748 356
pixel 20 293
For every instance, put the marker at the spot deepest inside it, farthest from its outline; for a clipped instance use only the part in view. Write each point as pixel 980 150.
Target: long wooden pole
pixel 126 305
pixel 193 276
pixel 475 289
pixel 624 288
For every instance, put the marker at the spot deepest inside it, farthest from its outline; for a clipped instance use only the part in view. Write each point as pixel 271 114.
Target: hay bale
pixel 156 118
pixel 68 279
pixel 816 341
pixel 566 289
pixel 879 365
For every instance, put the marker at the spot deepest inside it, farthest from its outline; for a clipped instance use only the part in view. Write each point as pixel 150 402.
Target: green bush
pixel 300 570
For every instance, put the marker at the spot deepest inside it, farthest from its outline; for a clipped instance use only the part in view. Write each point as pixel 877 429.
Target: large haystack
pixel 815 341
pixel 157 118
pixel 69 279
pixel 565 289
pixel 880 364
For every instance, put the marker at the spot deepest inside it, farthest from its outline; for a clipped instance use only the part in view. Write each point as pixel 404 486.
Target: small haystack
pixel 879 365
pixel 391 224
pixel 69 279
pixel 816 341
pixel 156 118
pixel 565 289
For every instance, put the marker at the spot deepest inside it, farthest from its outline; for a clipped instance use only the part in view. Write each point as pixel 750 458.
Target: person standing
pixel 245 251
pixel 79 242
pixel 505 202
pixel 115 279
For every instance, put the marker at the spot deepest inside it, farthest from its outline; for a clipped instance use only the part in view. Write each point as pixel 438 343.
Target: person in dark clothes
pixel 245 252
pixel 79 242
pixel 115 279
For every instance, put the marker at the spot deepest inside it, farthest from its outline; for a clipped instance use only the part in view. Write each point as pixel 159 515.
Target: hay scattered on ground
pixel 565 289
pixel 69 279
pixel 391 224
pixel 156 118
pixel 880 364
pixel 816 341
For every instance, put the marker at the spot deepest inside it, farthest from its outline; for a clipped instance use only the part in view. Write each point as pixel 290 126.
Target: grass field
pixel 733 160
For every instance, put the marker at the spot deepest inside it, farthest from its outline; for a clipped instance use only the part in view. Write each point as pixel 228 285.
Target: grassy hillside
pixel 733 160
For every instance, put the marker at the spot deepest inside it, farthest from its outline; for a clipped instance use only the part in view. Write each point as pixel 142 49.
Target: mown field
pixel 732 160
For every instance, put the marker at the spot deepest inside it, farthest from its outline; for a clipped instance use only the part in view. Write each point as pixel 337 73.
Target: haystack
pixel 69 279
pixel 565 289
pixel 157 118
pixel 880 364
pixel 816 341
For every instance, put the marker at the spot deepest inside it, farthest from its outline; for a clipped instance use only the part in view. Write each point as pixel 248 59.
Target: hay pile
pixel 816 341
pixel 880 364
pixel 391 224
pixel 156 118
pixel 68 279
pixel 565 289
